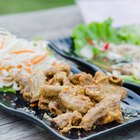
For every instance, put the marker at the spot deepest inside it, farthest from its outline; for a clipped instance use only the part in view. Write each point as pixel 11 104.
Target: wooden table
pixel 46 24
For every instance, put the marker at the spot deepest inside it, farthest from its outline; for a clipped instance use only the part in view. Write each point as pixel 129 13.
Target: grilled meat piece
pixel 99 91
pixel 115 80
pixel 43 102
pixel 95 92
pixel 22 80
pixel 54 107
pixel 68 120
pixel 78 101
pixel 56 69
pixel 108 110
pixel 75 102
pixel 30 86
pixel 101 78
pixel 82 79
pixel 51 90
pixel 59 78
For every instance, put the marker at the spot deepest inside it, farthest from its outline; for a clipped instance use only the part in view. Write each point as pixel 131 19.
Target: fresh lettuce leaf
pixel 130 78
pixel 7 89
pixel 104 31
pixel 94 31
pixel 130 34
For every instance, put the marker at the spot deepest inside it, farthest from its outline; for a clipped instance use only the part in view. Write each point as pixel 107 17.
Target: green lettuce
pixel 94 31
pixel 130 78
pixel 104 31
pixel 7 89
pixel 130 34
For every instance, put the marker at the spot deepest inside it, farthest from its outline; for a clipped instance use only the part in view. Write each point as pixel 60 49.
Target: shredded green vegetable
pixel 7 89
pixel 130 78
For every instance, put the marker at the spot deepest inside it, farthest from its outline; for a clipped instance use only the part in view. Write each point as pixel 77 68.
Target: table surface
pixel 47 24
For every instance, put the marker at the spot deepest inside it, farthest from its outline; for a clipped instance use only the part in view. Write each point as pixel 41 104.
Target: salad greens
pixel 130 78
pixel 130 34
pixel 7 89
pixel 97 31
pixel 93 35
pixel 105 31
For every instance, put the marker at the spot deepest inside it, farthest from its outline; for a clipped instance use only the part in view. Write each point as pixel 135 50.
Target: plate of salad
pixel 113 50
pixel 116 50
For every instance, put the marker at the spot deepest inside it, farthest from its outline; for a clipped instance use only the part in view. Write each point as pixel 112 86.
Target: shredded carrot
pixel 1 45
pixel 22 51
pixel 54 63
pixel 32 105
pixel 27 63
pixel 36 61
pixel 29 70
pixel 89 41
pixel 19 66
pixel 1 68
pixel 7 58
pixel 35 58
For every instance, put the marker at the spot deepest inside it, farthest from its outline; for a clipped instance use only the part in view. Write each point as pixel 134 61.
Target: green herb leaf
pixel 130 34
pixel 130 78
pixel 7 89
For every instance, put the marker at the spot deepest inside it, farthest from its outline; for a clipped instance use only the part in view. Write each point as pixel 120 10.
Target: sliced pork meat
pixel 78 100
pixel 95 92
pixel 31 85
pixel 43 102
pixel 82 79
pixel 51 90
pixel 115 80
pixel 60 79
pixel 100 77
pixel 68 120
pixel 99 91
pixel 56 69
pixel 73 102
pixel 108 109
pixel 53 106
pixel 23 81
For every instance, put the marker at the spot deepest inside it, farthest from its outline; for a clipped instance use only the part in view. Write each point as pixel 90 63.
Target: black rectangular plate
pixel 15 104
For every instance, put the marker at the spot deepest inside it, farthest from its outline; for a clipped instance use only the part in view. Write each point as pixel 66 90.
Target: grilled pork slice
pixel 51 90
pixel 59 78
pixel 47 93
pixel 82 79
pixel 106 111
pixel 56 69
pixel 75 102
pixel 95 92
pixel 100 91
pixel 115 80
pixel 68 120
pixel 54 108
pixel 101 78
pixel 30 86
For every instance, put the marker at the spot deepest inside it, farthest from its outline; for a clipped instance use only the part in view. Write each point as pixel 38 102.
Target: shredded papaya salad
pixel 20 55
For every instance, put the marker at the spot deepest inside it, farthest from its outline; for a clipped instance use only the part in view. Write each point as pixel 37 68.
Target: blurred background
pixel 46 19
pixel 52 19
pixel 18 6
